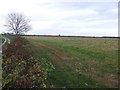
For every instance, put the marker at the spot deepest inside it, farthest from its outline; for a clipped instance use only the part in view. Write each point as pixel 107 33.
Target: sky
pixel 65 17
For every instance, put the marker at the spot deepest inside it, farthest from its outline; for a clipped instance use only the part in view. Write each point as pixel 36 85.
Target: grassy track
pixel 79 62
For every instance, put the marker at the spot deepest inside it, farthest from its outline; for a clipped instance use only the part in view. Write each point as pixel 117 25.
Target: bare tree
pixel 17 23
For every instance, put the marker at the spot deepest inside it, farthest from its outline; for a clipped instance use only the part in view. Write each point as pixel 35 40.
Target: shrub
pixel 20 68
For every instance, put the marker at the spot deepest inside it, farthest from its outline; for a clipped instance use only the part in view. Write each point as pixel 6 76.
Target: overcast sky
pixel 70 17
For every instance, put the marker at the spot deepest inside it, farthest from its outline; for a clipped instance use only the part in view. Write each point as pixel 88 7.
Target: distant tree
pixel 17 23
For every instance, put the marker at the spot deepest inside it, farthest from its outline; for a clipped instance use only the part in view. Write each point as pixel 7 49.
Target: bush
pixel 21 69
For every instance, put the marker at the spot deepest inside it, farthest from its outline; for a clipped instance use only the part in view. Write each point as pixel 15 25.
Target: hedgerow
pixel 21 68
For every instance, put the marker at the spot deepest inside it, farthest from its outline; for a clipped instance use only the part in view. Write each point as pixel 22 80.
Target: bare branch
pixel 17 23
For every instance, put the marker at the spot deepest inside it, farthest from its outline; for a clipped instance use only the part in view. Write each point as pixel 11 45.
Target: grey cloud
pixel 57 16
